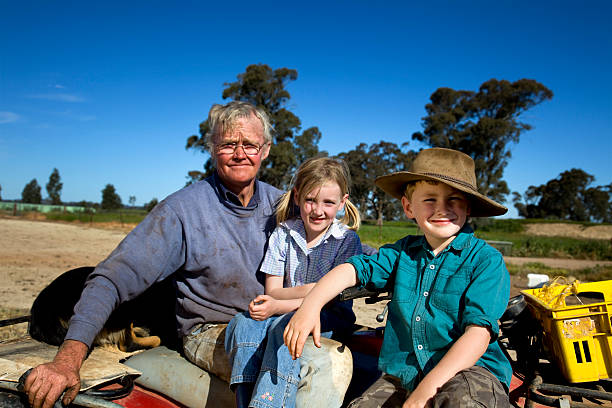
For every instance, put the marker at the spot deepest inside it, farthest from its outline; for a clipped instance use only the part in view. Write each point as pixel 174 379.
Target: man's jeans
pixel 324 373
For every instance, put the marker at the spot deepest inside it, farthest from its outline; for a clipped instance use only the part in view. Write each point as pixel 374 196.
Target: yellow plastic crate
pixel 577 335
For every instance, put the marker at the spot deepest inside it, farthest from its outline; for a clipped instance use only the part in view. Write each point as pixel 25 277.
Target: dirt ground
pixel 34 252
pixel 571 230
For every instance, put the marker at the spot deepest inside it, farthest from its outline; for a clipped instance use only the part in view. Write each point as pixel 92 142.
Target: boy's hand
pixel 262 307
pixel 299 327
pixel 421 396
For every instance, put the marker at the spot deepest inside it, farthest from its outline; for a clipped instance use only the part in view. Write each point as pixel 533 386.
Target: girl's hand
pixel 299 327
pixel 262 307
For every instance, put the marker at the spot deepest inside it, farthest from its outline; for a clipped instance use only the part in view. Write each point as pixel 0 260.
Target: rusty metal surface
pixel 102 365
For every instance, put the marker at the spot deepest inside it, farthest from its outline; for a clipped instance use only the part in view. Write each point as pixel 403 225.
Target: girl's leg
pixel 279 376
pixel 245 342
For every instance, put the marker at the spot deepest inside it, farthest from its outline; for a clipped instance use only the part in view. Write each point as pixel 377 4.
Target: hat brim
pixel 481 206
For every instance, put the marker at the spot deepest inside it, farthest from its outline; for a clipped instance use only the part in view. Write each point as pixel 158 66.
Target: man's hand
pixel 47 382
pixel 299 327
pixel 262 307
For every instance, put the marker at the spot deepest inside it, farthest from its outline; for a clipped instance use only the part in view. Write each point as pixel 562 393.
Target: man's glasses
pixel 248 148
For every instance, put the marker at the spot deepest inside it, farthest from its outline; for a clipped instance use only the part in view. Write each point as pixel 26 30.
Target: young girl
pixel 307 243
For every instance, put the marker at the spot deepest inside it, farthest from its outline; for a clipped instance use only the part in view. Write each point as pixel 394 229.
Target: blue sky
pixel 108 92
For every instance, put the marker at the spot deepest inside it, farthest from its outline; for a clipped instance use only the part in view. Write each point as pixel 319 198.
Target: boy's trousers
pixel 472 387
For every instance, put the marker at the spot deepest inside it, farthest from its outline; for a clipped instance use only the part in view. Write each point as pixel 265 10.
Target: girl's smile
pixel 318 209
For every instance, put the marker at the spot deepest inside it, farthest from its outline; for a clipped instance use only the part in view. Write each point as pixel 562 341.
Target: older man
pixel 210 236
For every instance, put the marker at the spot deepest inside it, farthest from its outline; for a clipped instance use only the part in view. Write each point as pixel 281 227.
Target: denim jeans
pixel 257 354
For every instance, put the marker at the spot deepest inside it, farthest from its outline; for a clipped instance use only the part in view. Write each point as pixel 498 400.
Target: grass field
pixel 523 244
pixel 127 216
pixel 510 230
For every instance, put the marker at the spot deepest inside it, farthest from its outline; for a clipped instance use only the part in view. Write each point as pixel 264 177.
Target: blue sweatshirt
pixel 205 237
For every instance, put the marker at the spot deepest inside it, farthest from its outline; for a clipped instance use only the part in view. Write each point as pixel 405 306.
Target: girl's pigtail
pixel 284 207
pixel 351 218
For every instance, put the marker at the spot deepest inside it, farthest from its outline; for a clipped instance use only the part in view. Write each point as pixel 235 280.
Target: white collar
pixel 298 232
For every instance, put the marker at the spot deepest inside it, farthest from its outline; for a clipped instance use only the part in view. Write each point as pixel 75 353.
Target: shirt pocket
pixel 405 283
pixel 448 289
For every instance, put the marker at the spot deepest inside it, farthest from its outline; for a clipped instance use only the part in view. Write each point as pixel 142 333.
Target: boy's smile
pixel 439 210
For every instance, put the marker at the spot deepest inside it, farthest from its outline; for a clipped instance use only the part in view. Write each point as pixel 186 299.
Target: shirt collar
pixel 298 232
pixel 461 241
pixel 231 197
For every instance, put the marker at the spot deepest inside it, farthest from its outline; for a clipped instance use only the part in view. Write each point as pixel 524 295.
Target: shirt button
pixel 432 266
pixel 425 294
pixel 420 347
pixel 418 318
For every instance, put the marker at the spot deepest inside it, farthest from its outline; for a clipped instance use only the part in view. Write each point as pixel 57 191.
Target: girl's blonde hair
pixel 313 174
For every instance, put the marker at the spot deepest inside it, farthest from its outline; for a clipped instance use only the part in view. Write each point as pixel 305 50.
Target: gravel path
pixel 572 264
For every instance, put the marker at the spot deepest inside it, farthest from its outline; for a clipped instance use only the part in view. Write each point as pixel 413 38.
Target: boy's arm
pixel 306 320
pixel 463 354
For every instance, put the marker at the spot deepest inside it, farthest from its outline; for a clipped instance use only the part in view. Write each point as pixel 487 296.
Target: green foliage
pixel 54 187
pixel 150 205
pixel 368 162
pixel 482 124
pixel 567 197
pixel 552 247
pixel 523 245
pixel 88 204
pixel 127 216
pixel 375 236
pixel 31 193
pixel 110 198
pixel 265 88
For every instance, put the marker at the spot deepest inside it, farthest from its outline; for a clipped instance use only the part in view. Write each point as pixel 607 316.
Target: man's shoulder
pixel 199 189
pixel 268 191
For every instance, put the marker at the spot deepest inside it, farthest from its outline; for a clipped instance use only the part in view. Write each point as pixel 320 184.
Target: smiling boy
pixel 449 288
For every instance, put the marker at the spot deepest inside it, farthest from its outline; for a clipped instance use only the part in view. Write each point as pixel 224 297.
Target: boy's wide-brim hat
pixel 446 166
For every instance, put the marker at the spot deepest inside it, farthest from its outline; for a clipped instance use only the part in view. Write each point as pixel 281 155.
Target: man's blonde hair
pixel 223 119
pixel 313 174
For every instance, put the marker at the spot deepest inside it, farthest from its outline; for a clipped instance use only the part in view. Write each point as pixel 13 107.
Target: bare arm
pixel 463 354
pixel 277 299
pixel 307 320
pixel 296 292
pixel 47 382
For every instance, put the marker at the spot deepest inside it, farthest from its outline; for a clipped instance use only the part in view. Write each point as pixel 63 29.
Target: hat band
pixel 452 179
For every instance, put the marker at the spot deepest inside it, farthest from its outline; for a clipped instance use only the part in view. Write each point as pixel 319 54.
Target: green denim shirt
pixel 434 299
